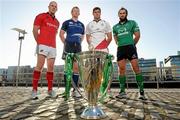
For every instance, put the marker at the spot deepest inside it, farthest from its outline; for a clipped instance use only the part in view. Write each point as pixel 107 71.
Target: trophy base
pixel 93 112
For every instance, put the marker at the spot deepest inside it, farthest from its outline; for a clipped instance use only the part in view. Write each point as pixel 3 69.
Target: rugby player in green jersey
pixel 126 35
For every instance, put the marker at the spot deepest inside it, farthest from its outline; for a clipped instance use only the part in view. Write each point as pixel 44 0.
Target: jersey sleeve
pixel 135 27
pixel 64 26
pixel 108 28
pixel 38 20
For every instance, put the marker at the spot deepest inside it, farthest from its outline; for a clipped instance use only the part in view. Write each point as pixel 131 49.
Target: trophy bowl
pixel 95 69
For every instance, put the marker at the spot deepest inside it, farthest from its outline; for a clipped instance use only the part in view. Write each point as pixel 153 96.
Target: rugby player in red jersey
pixel 44 30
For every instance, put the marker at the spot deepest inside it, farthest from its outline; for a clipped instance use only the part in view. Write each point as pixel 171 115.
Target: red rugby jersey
pixel 48 29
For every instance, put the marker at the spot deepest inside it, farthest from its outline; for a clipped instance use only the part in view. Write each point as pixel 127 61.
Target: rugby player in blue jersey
pixel 74 30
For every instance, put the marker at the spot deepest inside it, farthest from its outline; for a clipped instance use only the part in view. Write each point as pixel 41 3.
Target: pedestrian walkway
pixel 16 104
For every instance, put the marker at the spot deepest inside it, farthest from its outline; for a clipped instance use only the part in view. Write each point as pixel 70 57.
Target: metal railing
pixel 152 75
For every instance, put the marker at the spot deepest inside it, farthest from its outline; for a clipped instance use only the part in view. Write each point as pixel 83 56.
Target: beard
pixel 123 19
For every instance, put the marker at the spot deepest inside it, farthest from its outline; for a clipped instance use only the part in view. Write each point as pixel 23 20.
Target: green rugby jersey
pixel 124 32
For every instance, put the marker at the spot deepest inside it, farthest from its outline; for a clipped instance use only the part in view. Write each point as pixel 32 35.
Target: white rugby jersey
pixel 98 31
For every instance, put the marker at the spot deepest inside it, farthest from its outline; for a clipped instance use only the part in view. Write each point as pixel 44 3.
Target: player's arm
pixel 88 35
pixel 61 35
pixel 108 33
pixel 136 37
pixel 115 38
pixel 109 37
pixel 115 35
pixel 82 38
pixel 136 32
pixel 36 32
pixel 88 38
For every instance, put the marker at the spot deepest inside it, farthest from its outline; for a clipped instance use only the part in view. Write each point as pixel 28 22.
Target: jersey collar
pixel 53 17
pixel 97 20
pixel 74 20
pixel 123 22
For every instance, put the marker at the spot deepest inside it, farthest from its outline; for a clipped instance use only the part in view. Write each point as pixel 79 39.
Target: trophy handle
pixel 107 74
pixel 68 71
pixel 80 77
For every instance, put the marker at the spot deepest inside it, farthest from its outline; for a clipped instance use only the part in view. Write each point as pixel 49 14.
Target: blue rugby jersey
pixel 74 30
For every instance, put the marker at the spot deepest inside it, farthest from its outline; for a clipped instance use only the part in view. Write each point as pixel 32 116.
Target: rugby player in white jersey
pixel 98 34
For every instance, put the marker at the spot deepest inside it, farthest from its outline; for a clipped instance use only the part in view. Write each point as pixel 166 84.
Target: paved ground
pixel 15 104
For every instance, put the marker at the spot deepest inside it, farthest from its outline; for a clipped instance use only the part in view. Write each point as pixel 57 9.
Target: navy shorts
pixel 71 47
pixel 127 52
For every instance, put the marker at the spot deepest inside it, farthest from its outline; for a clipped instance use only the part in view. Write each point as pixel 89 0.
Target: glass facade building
pixel 147 66
pixel 174 68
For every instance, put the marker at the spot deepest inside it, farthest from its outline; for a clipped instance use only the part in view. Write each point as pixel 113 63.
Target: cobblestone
pixel 16 104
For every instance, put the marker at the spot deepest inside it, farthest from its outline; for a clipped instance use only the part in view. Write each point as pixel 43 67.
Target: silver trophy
pixel 95 69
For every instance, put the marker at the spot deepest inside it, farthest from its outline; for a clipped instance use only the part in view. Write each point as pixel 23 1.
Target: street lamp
pixel 21 37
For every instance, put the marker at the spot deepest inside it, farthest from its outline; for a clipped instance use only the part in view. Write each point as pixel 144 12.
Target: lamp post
pixel 21 37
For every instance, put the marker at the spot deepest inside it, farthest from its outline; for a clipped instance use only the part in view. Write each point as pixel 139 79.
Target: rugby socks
pixel 122 81
pixel 50 77
pixel 64 79
pixel 76 78
pixel 36 76
pixel 140 82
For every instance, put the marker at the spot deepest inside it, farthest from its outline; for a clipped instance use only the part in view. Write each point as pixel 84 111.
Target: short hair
pixel 52 2
pixel 97 8
pixel 75 7
pixel 122 8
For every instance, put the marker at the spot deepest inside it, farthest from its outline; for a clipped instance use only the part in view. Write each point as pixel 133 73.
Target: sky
pixel 159 22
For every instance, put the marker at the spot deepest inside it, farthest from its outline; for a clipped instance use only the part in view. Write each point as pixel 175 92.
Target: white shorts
pixel 47 51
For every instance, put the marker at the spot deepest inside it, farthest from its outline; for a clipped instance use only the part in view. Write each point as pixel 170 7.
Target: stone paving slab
pixel 16 104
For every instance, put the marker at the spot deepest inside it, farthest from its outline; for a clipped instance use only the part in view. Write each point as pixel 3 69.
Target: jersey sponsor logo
pixel 122 32
pixel 75 25
pixel 52 25
pixel 71 24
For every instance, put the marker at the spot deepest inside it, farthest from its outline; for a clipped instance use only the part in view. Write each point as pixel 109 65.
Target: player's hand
pixel 91 47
